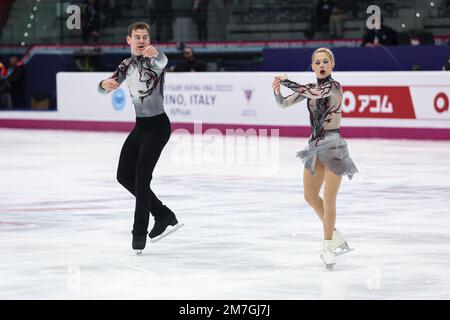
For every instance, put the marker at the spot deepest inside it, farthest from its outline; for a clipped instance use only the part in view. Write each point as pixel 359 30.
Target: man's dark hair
pixel 138 25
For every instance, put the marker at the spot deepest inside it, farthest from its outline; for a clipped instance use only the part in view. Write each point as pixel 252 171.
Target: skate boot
pixel 340 245
pixel 327 254
pixel 161 224
pixel 139 244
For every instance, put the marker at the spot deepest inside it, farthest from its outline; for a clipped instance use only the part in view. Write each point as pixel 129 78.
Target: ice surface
pixel 65 222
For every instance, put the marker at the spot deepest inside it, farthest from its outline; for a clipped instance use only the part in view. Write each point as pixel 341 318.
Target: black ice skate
pixel 139 244
pixel 161 224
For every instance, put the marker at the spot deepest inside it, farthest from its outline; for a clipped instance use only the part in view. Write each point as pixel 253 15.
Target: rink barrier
pixel 284 131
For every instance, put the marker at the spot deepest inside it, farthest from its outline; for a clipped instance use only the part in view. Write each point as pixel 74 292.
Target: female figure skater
pixel 326 157
pixel 144 72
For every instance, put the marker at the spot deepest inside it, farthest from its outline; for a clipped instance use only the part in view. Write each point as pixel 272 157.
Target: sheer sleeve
pixel 313 91
pixel 284 102
pixel 119 75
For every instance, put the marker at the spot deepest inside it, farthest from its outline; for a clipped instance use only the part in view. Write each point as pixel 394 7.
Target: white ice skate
pixel 169 230
pixel 340 245
pixel 327 254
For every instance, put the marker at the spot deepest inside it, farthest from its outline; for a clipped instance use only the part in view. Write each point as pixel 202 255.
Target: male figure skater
pixel 144 72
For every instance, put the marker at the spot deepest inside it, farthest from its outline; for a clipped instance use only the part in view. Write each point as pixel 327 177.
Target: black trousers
pixel 138 158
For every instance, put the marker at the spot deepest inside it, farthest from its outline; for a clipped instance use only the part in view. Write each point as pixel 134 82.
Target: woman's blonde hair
pixel 327 51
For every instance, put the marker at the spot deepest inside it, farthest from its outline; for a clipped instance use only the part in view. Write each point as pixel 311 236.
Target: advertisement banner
pixel 416 99
pixel 404 99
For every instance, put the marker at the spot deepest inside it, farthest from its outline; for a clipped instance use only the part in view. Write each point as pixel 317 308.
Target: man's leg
pixel 146 200
pixel 126 171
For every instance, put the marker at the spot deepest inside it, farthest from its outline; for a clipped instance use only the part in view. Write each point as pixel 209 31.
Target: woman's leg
pixel 332 184
pixel 312 185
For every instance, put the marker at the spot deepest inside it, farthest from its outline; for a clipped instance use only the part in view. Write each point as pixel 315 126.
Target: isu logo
pixel 377 102
pixel 248 95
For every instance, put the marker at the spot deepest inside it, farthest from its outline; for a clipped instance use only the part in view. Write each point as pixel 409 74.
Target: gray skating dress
pixel 324 105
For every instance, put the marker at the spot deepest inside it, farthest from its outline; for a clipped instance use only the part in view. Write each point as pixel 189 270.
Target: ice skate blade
pixel 166 233
pixel 138 252
pixel 342 251
pixel 329 267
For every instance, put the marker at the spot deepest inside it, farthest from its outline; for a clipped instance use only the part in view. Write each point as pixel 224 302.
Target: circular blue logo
pixel 118 99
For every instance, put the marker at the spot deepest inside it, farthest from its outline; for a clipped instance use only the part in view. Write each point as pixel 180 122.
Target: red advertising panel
pixel 378 102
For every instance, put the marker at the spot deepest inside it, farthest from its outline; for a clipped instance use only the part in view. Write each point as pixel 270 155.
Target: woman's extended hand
pixel 276 85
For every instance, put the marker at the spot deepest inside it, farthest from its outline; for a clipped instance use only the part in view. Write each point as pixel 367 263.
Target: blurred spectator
pixel 90 20
pixel 446 66
pixel 161 16
pixel 323 12
pixel 385 36
pixel 84 63
pixel 111 10
pixel 3 70
pixel 338 14
pixel 130 4
pixel 189 63
pixel 200 17
pixel 5 87
pixel 15 78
